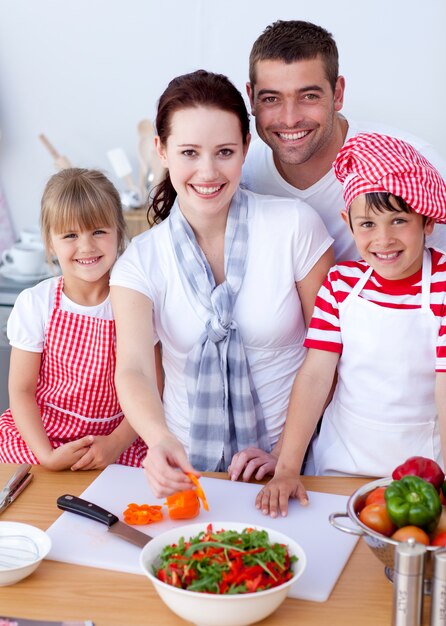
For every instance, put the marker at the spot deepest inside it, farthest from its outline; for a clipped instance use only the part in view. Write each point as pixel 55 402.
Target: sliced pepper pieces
pixel 183 504
pixel 180 505
pixel 199 490
pixel 140 514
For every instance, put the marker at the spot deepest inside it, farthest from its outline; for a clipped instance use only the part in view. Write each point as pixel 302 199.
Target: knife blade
pixel 73 504
pixel 15 485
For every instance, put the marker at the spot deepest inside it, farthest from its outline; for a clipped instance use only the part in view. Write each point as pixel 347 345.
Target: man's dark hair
pixel 294 40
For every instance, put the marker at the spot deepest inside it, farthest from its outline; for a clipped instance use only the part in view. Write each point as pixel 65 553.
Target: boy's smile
pixel 392 242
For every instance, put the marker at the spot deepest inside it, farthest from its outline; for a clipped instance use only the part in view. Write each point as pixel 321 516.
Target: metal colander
pixel 383 547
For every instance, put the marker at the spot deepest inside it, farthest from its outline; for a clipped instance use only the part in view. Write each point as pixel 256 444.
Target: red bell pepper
pixel 422 467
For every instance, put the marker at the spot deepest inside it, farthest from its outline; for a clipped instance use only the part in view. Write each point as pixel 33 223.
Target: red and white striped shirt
pixel 325 331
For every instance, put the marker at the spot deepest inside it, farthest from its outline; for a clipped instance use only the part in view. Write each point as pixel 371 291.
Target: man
pixel 296 96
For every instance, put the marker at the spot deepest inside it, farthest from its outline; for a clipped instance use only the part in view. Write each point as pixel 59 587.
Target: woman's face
pixel 204 154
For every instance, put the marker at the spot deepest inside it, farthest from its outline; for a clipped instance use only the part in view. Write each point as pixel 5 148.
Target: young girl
pixel 64 409
pixel 226 282
pixel 381 322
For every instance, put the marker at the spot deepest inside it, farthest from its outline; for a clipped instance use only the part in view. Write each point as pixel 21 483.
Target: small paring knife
pixel 15 485
pixel 73 504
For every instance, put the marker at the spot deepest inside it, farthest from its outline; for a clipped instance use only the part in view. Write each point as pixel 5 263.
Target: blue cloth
pixel 225 411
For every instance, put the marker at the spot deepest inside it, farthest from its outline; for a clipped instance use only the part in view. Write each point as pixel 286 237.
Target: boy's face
pixel 391 242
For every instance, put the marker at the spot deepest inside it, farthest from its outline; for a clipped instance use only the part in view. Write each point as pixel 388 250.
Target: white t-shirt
pixel 284 244
pixel 326 195
pixel 32 310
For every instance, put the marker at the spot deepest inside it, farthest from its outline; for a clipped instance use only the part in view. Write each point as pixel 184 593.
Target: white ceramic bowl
pixel 205 609
pixel 22 549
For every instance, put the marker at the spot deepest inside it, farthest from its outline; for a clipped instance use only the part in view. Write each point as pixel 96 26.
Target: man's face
pixel 295 108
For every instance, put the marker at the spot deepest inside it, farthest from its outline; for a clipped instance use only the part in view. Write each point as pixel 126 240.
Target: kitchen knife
pixel 15 485
pixel 76 505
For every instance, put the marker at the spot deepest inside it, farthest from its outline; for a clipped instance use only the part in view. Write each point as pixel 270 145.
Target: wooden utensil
pixel 60 162
pixel 122 167
pixel 151 171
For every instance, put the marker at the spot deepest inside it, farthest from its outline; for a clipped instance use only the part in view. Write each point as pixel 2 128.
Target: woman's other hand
pixel 252 462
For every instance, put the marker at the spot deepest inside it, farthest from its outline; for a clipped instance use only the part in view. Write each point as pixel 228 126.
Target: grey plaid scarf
pixel 225 411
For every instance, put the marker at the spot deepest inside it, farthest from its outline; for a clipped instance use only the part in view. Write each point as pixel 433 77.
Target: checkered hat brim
pixel 370 162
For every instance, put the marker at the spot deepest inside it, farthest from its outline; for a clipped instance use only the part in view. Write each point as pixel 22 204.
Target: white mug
pixel 31 236
pixel 25 258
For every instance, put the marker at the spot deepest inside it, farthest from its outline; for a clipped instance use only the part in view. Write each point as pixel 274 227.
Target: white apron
pixel 383 410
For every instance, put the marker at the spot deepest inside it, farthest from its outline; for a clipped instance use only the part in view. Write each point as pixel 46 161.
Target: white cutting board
pixel 85 542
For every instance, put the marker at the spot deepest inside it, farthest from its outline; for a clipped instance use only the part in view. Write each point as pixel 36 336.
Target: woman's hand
pixel 161 467
pixel 252 462
pixel 273 498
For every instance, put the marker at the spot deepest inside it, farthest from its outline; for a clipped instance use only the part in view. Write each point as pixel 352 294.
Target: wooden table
pixel 60 591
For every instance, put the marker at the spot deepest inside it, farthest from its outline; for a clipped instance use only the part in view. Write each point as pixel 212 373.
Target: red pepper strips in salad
pixel 226 562
pixel 140 514
pixel 422 467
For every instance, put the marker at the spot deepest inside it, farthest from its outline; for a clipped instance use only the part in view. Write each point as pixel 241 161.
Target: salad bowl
pixel 216 609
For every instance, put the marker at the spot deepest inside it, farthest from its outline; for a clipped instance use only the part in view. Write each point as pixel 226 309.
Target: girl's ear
pixel 161 150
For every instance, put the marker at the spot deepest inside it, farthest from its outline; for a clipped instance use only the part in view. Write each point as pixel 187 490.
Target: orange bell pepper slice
pixel 199 490
pixel 141 514
pixel 183 505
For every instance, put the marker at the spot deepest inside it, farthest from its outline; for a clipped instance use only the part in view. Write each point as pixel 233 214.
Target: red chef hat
pixel 370 162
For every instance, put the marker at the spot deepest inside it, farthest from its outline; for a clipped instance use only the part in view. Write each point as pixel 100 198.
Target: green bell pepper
pixel 412 501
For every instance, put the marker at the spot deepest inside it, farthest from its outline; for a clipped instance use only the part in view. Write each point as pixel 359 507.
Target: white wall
pixel 84 72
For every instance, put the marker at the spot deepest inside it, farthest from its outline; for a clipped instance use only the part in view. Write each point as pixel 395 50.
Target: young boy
pixel 381 323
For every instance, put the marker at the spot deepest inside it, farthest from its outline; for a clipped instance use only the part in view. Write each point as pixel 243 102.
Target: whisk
pixel 17 550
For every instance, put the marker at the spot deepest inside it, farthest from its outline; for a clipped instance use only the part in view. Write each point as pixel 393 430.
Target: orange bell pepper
pixel 136 514
pixel 183 505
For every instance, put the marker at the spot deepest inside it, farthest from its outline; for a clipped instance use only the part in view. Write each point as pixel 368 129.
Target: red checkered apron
pixel 76 390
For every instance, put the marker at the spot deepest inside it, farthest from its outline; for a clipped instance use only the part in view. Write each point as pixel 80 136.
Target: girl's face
pixel 85 255
pixel 204 154
pixel 391 242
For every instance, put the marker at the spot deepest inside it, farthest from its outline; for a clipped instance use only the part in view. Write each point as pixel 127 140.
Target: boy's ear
pixel 429 226
pixel 346 220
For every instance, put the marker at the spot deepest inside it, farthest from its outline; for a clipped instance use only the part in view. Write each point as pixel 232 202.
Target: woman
pixel 226 282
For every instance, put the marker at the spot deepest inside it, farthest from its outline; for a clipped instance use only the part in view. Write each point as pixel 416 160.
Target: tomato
pixel 406 532
pixel 375 516
pixel 439 540
pixel 376 496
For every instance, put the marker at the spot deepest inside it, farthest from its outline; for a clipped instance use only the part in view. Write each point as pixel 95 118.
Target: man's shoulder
pixel 356 127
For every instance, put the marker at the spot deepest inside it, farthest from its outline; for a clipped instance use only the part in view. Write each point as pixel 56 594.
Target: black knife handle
pixel 73 504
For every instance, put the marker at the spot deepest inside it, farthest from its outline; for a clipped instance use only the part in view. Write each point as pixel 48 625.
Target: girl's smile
pixel 392 242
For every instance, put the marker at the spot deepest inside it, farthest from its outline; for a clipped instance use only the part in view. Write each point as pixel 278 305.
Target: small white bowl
pixel 205 609
pixel 22 548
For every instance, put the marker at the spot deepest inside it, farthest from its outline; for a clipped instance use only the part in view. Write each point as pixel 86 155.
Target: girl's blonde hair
pixel 77 198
